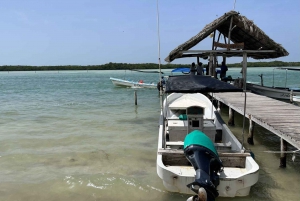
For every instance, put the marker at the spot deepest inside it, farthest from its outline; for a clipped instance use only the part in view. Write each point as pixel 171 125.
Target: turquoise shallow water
pixel 72 135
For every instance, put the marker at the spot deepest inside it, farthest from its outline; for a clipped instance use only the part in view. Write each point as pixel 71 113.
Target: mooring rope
pixel 286 152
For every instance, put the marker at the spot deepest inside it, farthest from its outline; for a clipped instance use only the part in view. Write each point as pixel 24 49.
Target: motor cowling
pixel 201 153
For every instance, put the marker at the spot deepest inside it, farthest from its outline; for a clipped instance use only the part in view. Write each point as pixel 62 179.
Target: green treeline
pixel 266 64
pixel 108 66
pixel 128 66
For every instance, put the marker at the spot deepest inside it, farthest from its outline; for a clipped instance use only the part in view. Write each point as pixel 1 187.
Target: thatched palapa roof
pixel 243 31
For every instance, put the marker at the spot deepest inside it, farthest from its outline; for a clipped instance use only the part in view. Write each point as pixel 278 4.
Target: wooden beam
pixel 230 46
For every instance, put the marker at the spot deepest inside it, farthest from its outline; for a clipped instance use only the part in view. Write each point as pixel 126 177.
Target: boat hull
pixel 277 93
pixel 132 84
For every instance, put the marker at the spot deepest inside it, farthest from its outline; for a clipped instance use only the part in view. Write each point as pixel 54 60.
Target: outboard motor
pixel 201 153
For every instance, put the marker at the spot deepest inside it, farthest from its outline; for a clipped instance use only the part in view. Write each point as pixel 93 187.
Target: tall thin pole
pixel 158 36
pixel 273 77
pixel 285 77
pixel 234 5
pixel 159 62
pixel 162 119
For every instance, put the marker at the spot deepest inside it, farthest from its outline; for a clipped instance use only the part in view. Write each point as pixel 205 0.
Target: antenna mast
pixel 234 5
pixel 158 40
pixel 159 63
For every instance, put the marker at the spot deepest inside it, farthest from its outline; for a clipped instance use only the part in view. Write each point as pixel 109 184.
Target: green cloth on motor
pixel 183 117
pixel 199 138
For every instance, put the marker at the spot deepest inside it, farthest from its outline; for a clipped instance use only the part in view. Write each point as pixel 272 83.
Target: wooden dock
pixel 281 118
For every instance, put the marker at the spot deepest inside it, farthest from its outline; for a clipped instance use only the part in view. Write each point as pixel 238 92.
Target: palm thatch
pixel 244 31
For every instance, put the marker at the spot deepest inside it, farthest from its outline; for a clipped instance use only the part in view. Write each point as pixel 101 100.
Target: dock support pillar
pixel 291 96
pixel 251 131
pixel 231 117
pixel 283 148
pixel 135 97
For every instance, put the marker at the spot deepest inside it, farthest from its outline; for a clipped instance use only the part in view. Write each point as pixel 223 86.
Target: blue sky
pixel 93 32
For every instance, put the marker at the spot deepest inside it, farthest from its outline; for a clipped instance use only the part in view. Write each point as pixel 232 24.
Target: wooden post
pixel 214 73
pixel 229 32
pixel 241 82
pixel 245 94
pixel 231 117
pixel 135 97
pixel 214 67
pixel 218 39
pixel 283 148
pixel 251 131
pixel 291 96
pixel 213 43
pixel 225 41
pixel 210 64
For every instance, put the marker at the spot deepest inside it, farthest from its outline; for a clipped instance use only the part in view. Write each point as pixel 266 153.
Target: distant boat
pixel 132 84
pixel 186 70
pixel 274 92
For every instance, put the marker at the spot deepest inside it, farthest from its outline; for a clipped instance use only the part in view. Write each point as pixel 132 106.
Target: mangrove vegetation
pixel 129 66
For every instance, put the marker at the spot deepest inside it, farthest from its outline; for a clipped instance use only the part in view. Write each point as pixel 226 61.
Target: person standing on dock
pixel 193 69
pixel 199 67
pixel 223 70
pixel 161 84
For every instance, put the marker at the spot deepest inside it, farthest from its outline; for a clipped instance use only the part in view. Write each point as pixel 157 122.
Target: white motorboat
pixel 132 84
pixel 196 149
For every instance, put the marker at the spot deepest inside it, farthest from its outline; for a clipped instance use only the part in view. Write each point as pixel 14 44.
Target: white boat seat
pixel 223 146
pixel 175 144
pixel 178 143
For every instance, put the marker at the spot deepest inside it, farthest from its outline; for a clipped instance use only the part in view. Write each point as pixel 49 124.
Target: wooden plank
pixel 270 115
pixel 234 154
pixel 286 125
pixel 278 121
pixel 170 151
